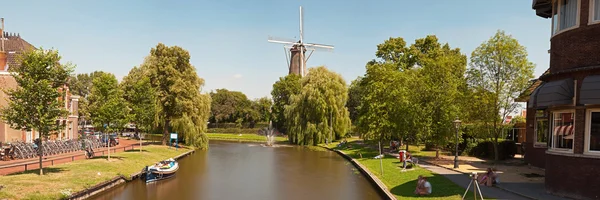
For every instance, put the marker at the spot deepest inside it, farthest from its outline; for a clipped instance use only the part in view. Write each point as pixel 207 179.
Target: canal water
pixel 231 170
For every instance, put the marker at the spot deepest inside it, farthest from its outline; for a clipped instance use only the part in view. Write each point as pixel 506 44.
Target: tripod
pixel 475 187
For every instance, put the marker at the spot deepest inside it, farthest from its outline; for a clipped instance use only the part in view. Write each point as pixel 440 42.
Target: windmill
pixel 295 51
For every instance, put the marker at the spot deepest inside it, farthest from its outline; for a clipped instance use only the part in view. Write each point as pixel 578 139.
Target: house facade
pixel 12 47
pixel 563 105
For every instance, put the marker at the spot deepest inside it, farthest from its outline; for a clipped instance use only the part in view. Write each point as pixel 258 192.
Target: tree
pixel 263 106
pixel 282 93
pixel 36 103
pixel 232 106
pixel 81 84
pixel 178 88
pixel 318 113
pixel 498 72
pixel 141 99
pixel 355 93
pixel 441 74
pixel 411 93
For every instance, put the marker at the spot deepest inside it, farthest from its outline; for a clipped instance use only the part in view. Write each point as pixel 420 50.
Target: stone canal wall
pixel 378 184
pixel 84 194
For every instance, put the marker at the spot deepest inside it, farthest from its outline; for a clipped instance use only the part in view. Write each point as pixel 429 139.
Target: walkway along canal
pixel 230 170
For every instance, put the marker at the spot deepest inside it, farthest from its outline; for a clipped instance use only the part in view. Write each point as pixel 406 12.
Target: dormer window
pixel 594 11
pixel 565 15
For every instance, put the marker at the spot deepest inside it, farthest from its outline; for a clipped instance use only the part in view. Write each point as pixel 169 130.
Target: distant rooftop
pixel 14 46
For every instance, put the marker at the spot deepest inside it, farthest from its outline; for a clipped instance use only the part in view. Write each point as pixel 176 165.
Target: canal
pixel 230 170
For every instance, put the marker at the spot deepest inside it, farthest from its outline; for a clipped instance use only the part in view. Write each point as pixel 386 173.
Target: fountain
pixel 269 132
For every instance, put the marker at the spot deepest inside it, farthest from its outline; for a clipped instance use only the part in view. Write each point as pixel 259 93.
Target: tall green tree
pixel 499 71
pixel 36 103
pixel 178 88
pixel 355 93
pixel 141 98
pixel 263 106
pixel 441 70
pixel 412 93
pixel 318 113
pixel 282 93
pixel 108 110
pixel 81 85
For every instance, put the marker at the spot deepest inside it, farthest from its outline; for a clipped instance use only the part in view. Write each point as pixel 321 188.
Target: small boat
pixel 161 170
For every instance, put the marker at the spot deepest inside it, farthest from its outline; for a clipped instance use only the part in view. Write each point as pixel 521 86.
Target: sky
pixel 227 39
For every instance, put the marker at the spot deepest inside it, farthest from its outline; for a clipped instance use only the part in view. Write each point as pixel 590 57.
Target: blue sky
pixel 228 39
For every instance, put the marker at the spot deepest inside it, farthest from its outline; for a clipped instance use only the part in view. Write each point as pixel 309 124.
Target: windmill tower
pixel 295 51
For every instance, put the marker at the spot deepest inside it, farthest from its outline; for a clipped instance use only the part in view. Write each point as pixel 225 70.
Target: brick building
pixel 563 104
pixel 13 46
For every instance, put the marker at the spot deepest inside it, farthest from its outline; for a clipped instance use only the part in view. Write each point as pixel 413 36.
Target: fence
pixel 34 164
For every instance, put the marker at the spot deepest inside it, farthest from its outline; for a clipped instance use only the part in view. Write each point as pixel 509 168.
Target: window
pixel 565 15
pixel 563 126
pixel 595 10
pixel 541 129
pixel 592 136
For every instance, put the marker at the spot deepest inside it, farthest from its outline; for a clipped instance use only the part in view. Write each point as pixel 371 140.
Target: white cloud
pixel 237 76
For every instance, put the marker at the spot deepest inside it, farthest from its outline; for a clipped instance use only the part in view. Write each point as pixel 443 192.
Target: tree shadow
pixel 47 170
pixel 106 156
pixel 441 187
pixel 136 150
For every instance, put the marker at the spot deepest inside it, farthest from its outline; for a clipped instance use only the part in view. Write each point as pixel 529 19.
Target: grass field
pixel 241 137
pixel 63 179
pixel 401 184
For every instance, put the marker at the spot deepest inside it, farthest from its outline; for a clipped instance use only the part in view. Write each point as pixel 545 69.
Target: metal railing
pixel 71 157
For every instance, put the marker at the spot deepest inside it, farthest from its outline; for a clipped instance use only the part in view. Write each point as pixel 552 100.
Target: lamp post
pixel 457 126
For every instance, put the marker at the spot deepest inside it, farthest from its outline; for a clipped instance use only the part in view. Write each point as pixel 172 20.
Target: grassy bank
pixel 241 137
pixel 63 179
pixel 401 184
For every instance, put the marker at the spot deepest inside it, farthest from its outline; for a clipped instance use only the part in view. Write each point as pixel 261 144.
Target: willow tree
pixel 35 103
pixel 318 113
pixel 499 71
pixel 181 106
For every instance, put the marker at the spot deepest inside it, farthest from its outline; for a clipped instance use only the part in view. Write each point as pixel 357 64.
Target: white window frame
pixel 591 13
pixel 535 135
pixel 588 126
pixel 559 3
pixel 552 127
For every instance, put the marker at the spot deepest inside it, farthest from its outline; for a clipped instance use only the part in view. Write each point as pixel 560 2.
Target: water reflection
pixel 249 171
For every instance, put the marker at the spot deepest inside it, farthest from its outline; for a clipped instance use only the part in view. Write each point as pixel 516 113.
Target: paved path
pixel 464 180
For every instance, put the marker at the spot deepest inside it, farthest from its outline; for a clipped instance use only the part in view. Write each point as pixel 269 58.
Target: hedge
pixel 233 130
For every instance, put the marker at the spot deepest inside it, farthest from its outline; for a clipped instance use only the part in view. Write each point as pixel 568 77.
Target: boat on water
pixel 161 170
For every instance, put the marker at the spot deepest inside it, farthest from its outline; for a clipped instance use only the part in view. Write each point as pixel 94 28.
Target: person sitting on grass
pixel 423 186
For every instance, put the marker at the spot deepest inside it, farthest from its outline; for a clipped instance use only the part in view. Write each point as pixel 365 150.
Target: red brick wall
pixel 534 156
pixel 579 131
pixel 578 47
pixel 574 177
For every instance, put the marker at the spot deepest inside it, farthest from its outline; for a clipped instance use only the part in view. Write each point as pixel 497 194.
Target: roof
pixel 534 84
pixel 14 46
pixel 543 8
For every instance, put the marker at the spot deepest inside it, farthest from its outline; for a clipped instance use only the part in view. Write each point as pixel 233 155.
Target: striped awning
pixel 566 130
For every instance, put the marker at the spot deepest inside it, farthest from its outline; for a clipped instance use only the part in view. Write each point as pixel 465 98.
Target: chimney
pixel 3 55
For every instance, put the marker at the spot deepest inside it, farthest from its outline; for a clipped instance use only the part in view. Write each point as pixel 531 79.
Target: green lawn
pixel 402 184
pixel 80 174
pixel 241 137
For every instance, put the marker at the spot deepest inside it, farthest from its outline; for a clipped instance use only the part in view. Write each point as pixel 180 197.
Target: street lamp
pixel 457 126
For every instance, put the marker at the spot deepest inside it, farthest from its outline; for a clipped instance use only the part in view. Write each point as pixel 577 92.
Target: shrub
pixel 506 149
